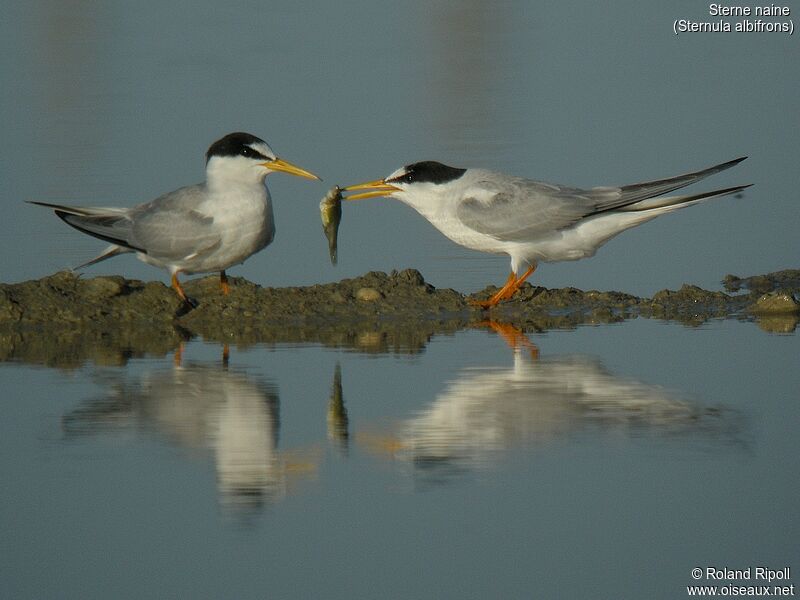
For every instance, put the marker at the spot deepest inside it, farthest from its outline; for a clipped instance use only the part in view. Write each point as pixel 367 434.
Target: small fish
pixel 330 209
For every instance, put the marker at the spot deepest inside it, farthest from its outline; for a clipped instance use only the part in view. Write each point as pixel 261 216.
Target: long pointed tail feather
pixel 99 222
pixel 679 201
pixel 109 252
pixel 636 192
pixel 82 211
pixel 649 189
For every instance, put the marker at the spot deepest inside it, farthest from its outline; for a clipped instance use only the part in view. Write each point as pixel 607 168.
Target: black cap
pixel 428 171
pixel 236 144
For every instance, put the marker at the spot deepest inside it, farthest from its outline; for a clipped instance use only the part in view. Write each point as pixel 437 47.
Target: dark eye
pixel 247 151
pixel 407 177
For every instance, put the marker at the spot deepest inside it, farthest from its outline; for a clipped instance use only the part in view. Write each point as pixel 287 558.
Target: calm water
pixel 113 104
pixel 609 465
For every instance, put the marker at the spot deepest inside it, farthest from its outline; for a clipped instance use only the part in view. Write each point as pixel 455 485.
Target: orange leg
pixel 520 281
pixel 223 283
pixel 381 444
pixel 176 285
pixel 512 336
pixel 512 277
pixel 178 358
pixel 511 286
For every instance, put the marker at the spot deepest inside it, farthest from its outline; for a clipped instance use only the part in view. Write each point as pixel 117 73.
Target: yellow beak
pixel 287 167
pixel 376 188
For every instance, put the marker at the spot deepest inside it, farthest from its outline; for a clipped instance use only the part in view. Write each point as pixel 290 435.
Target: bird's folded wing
pixel 174 233
pixel 523 209
pixel 518 209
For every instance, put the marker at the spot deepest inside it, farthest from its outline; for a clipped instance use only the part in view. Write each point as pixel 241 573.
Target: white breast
pixel 245 222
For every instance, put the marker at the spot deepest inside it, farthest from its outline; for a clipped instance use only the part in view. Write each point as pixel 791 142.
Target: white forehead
pixel 397 173
pixel 263 148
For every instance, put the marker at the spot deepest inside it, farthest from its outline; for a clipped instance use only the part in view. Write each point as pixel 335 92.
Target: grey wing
pixel 171 228
pixel 523 209
pixel 609 198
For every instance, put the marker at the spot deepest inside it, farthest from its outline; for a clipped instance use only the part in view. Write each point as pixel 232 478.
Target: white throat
pixel 234 172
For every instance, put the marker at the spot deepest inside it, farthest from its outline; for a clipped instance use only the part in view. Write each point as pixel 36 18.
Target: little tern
pixel 202 228
pixel 531 221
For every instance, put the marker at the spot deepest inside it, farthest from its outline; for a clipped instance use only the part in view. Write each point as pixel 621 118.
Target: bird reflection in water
pixel 202 406
pixel 537 400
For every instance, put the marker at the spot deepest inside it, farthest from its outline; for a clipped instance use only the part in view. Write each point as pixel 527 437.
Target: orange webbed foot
pixel 510 287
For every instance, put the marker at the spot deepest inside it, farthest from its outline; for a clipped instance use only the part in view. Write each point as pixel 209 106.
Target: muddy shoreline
pixel 67 319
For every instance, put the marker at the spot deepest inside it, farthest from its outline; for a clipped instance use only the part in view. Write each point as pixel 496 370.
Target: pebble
pixel 368 294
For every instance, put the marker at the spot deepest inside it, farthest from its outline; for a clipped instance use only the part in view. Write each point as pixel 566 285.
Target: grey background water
pixel 622 458
pixel 592 472
pixel 107 103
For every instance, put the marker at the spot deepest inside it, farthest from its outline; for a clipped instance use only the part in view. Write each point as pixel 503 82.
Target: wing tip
pixel 70 210
pixel 38 203
pixel 736 161
pixel 725 165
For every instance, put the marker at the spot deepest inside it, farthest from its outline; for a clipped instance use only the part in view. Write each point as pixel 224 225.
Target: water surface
pixel 605 460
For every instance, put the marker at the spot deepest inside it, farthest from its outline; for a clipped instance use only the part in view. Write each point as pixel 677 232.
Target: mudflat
pixel 66 317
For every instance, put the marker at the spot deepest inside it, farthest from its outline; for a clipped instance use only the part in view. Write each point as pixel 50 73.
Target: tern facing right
pixel 531 221
pixel 200 228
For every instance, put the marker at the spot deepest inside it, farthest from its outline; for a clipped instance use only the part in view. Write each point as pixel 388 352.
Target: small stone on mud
pixel 368 294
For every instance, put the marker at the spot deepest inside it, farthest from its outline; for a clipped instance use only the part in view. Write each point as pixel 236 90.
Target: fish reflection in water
pixel 487 410
pixel 203 406
pixel 338 422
